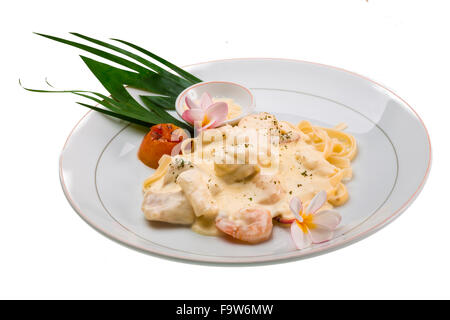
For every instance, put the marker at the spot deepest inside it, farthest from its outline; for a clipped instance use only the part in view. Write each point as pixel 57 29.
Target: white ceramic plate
pixel 101 175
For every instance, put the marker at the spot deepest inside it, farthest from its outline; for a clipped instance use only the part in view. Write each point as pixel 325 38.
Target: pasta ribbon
pixel 162 169
pixel 339 149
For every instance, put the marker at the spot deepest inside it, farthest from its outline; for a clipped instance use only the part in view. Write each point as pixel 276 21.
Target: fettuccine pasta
pixel 206 180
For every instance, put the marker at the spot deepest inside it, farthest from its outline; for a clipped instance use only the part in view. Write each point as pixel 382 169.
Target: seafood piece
pixel 261 121
pixel 289 133
pixel 176 166
pixel 196 191
pixel 171 207
pixel 307 156
pixel 267 122
pixel 213 185
pixel 235 172
pixel 271 189
pixel 251 225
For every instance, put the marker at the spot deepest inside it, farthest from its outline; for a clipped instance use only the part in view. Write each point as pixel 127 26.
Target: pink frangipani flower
pixel 311 226
pixel 207 114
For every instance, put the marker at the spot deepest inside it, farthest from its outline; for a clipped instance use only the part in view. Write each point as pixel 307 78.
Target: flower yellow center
pixel 307 222
pixel 205 121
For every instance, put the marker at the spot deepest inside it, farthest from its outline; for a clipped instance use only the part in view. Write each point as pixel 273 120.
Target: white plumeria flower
pixel 311 226
pixel 207 114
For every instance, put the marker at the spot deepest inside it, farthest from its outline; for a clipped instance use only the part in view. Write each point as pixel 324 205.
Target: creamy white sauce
pixel 302 172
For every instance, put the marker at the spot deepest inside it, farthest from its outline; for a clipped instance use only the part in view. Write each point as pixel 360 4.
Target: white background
pixel 47 251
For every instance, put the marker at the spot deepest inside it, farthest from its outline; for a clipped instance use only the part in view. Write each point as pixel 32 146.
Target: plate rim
pixel 294 256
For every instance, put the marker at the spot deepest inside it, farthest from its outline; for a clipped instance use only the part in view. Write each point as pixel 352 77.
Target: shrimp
pixel 248 224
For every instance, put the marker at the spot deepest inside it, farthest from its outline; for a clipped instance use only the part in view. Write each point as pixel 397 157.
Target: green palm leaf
pixel 163 84
pixel 178 70
pixel 98 52
pixel 161 101
pixel 121 110
pixel 181 81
